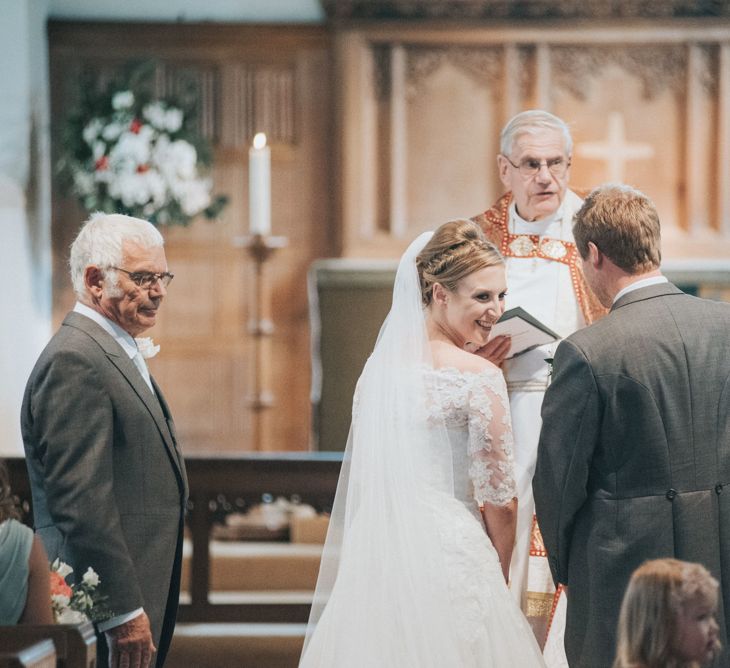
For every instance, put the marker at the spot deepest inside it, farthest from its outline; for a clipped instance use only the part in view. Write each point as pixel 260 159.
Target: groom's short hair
pixel 624 224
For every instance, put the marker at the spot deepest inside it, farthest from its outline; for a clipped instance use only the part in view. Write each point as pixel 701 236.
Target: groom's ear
pixel 595 257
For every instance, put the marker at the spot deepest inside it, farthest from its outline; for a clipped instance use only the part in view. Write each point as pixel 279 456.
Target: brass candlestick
pixel 260 247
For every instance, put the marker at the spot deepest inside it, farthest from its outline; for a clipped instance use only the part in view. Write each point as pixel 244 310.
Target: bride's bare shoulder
pixel 447 355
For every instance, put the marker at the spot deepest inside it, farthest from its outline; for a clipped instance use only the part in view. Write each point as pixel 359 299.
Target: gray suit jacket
pixel 107 478
pixel 634 456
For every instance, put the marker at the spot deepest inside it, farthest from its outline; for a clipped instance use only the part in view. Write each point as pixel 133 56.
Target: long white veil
pixel 382 596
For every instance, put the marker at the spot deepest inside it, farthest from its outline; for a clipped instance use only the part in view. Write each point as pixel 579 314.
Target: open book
pixel 526 331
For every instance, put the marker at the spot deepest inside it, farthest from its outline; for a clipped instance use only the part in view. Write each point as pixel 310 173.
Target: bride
pixel 414 569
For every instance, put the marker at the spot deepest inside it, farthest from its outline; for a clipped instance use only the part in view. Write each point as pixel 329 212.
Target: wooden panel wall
pixel 249 79
pixel 648 103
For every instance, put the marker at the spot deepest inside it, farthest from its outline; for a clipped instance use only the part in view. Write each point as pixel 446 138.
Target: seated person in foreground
pixel 25 588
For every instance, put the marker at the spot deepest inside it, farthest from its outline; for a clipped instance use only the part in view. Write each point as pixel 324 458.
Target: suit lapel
pixel 126 367
pixel 173 435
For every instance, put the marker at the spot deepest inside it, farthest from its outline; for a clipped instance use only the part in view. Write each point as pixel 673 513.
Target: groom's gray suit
pixel 634 457
pixel 108 480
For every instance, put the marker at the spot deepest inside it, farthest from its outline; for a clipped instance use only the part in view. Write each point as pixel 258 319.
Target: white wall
pixel 251 11
pixel 25 253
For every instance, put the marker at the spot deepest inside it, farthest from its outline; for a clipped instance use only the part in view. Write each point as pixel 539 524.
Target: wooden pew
pixel 75 643
pixel 39 654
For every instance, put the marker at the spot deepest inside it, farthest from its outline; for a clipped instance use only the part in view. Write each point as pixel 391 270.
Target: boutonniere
pixel 147 347
pixel 549 361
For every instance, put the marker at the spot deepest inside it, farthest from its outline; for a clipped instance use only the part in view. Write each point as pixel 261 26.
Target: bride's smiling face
pixel 466 314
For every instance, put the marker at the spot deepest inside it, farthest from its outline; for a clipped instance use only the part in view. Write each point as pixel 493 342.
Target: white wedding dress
pixel 409 577
pixel 491 627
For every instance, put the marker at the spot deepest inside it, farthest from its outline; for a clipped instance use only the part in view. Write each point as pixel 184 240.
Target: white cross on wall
pixel 615 150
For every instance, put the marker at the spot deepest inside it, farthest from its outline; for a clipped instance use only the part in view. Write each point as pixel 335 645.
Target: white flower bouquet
pixel 76 603
pixel 128 153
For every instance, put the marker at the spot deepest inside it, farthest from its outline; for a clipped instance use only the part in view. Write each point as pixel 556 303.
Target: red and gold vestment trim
pixel 495 223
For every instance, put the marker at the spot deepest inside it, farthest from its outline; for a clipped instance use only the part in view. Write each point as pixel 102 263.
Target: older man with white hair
pixel 532 225
pixel 107 477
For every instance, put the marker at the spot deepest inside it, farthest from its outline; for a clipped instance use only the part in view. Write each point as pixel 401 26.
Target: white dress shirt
pixel 643 283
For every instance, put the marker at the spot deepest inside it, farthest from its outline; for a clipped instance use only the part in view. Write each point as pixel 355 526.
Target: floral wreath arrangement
pixel 76 603
pixel 125 152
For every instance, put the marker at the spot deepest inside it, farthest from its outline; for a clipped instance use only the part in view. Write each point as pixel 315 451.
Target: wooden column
pixel 367 206
pixel 357 125
pixel 696 194
pixel 512 100
pixel 543 77
pixel 398 141
pixel 723 140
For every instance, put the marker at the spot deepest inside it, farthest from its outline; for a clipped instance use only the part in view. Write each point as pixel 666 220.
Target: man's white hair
pixel 533 121
pixel 100 242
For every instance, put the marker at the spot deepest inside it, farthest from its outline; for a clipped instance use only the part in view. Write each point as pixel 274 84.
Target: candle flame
pixel 259 140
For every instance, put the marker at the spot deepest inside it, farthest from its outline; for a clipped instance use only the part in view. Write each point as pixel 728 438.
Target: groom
pixel 107 477
pixel 634 454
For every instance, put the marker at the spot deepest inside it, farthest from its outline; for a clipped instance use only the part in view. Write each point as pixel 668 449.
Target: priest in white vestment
pixel 532 225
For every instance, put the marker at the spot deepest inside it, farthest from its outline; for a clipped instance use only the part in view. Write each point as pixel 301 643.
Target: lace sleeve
pixel 491 463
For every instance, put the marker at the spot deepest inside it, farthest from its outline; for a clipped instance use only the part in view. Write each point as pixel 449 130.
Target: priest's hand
pixel 130 644
pixel 496 349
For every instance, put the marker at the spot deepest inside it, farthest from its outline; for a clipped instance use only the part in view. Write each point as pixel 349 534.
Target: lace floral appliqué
pixel 477 405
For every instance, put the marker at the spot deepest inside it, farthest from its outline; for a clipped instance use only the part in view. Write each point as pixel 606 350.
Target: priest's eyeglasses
pixel 529 166
pixel 146 279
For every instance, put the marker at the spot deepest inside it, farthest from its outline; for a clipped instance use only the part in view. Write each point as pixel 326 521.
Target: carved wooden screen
pixel 648 104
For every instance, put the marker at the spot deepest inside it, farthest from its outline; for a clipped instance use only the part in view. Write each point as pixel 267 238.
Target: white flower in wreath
pixel 84 183
pixel 103 176
pixel 154 112
pixel 112 131
pixel 164 119
pixel 98 149
pixel 91 131
pixel 132 150
pixel 126 187
pixel 195 196
pixel 173 120
pixel 176 160
pixel 123 100
pixel 156 187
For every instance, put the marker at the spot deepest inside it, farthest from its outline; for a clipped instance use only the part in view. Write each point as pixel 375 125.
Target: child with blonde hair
pixel 667 617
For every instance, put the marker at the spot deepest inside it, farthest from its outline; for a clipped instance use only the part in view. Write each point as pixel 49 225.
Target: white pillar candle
pixel 259 186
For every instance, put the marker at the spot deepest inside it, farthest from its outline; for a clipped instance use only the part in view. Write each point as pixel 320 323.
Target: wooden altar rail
pixel 311 476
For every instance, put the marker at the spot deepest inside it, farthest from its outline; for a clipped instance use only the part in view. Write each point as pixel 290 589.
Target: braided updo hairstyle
pixel 456 249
